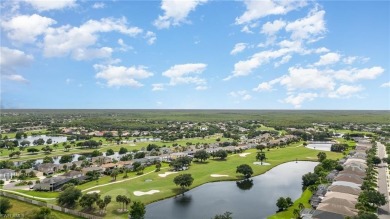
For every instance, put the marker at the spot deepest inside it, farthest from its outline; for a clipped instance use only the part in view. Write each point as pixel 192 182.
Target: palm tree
pixel 114 174
pixel 119 198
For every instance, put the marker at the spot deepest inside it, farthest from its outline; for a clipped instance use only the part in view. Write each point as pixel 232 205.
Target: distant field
pixel 267 117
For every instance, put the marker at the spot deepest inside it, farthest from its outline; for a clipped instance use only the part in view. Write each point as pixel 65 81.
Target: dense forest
pixel 154 119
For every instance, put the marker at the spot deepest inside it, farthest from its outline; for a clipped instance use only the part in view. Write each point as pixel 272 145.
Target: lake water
pixel 250 201
pixel 56 139
pixel 320 147
pixel 56 159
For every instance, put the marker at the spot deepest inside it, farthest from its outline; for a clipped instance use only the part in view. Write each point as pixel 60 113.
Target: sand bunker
pixel 94 191
pixel 166 174
pixel 259 163
pixel 151 192
pixel 218 175
pixel 244 154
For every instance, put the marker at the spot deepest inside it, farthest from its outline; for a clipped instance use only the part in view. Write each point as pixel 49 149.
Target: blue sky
pixel 199 54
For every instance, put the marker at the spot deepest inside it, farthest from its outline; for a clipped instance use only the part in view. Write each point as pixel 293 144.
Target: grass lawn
pixel 23 208
pixel 346 131
pixel 40 194
pixel 304 199
pixel 265 128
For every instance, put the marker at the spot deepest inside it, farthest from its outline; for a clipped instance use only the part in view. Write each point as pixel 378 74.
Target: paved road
pixel 383 211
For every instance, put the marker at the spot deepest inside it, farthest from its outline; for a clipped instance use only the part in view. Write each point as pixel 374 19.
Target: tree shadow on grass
pixel 198 162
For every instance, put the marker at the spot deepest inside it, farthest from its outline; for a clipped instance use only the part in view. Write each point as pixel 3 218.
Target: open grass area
pixel 346 131
pixel 201 173
pixel 304 199
pixel 23 208
pixel 40 194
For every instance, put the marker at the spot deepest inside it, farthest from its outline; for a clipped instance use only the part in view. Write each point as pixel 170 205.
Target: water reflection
pixel 183 200
pixel 245 184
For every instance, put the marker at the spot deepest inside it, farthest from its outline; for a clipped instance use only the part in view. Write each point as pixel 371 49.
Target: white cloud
pixel 46 5
pixel 350 59
pixel 78 40
pixel 201 87
pixel 11 60
pixel 68 81
pixel 239 47
pixel 328 59
pixel 117 76
pixel 311 26
pixel 368 73
pixel 175 12
pixel 158 87
pixel 351 75
pixel 16 78
pixel 186 74
pixel 14 58
pixel 345 91
pixel 270 28
pixel 265 86
pixel 321 50
pixel 98 5
pixel 258 9
pixel 242 95
pixel 284 60
pixel 245 67
pixel 306 78
pixel 151 37
pixel 26 28
pixel 88 54
pixel 387 84
pixel 298 99
pixel 246 29
pixel 124 46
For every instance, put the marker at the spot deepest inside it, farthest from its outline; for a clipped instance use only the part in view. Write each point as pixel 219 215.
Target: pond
pixel 56 139
pixel 320 147
pixel 56 159
pixel 245 200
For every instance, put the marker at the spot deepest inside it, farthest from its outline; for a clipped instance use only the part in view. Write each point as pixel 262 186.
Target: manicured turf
pixel 304 199
pixel 23 208
pixel 40 194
